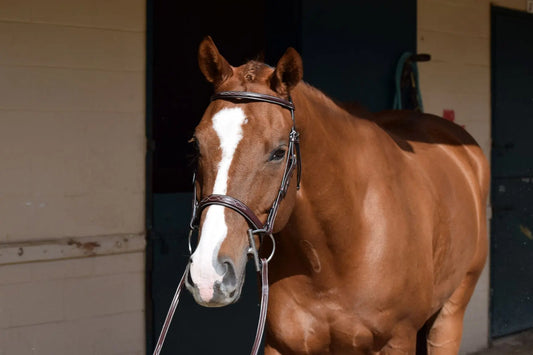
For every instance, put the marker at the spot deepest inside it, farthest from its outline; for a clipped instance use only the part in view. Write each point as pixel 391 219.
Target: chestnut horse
pixel 386 235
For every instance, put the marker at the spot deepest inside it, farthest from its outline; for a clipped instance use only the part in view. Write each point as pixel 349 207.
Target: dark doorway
pixel 512 172
pixel 177 95
pixel 349 49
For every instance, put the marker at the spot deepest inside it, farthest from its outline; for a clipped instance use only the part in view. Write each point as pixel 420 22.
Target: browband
pixel 253 96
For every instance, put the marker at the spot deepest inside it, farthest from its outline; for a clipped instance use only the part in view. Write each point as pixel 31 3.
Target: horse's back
pixel 426 134
pixel 414 126
pixel 411 129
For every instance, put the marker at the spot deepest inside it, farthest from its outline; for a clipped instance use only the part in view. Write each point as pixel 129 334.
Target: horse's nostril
pixel 189 278
pixel 230 278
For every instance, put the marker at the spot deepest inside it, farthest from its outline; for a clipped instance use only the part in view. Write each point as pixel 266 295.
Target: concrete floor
pixel 517 344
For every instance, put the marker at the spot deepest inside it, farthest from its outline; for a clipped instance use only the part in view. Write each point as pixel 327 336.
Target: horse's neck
pixel 316 113
pixel 335 148
pixel 328 132
pixel 321 120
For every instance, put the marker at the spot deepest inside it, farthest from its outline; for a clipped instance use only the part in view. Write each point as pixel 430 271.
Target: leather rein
pixel 256 226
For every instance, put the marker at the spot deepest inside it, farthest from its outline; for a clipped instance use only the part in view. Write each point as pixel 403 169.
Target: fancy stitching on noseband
pixel 256 227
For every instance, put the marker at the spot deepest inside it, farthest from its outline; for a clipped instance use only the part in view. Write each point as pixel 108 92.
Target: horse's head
pixel 242 153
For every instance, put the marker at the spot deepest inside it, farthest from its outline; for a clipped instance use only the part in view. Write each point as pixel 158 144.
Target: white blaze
pixel 227 123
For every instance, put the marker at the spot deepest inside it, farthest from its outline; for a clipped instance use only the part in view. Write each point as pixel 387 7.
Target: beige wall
pixel 457 35
pixel 72 176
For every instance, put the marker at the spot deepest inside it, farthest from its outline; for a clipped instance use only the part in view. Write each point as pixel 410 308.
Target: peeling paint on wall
pixel 14 253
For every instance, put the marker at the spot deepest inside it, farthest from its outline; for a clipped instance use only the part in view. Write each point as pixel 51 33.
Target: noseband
pixel 293 162
pixel 255 224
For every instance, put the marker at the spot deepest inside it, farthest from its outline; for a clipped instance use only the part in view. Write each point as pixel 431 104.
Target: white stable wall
pixel 72 184
pixel 457 35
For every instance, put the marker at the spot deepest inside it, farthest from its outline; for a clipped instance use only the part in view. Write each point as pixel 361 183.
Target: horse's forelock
pixel 254 71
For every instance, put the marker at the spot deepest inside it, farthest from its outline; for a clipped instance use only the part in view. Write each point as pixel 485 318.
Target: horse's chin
pixel 216 303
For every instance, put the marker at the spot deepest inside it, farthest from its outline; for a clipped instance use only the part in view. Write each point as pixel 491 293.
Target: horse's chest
pixel 317 328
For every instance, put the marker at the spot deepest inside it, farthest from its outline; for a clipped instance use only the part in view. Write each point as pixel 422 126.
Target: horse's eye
pixel 277 154
pixel 195 146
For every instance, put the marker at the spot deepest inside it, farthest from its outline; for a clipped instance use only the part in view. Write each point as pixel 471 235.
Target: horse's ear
pixel 212 64
pixel 288 73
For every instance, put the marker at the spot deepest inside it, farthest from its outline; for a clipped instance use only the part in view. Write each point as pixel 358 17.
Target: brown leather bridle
pixel 256 226
pixel 292 162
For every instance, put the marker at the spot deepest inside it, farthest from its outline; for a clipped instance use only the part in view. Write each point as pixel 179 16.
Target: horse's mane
pixel 402 126
pixel 353 108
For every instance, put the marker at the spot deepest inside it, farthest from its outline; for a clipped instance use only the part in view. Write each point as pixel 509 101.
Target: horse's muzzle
pixel 219 293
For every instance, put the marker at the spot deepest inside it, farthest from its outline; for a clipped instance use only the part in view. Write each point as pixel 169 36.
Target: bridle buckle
pixel 252 249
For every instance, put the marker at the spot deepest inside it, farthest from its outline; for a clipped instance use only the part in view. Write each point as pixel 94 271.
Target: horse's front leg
pixel 402 343
pixel 269 350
